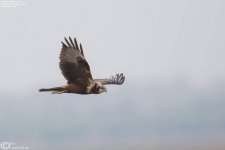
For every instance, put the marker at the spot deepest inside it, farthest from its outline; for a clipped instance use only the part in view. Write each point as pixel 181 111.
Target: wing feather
pixel 73 64
pixel 71 41
pixel 81 49
pixel 117 79
pixel 68 43
pixel 75 41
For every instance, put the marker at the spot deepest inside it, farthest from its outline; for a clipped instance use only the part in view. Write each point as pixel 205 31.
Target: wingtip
pixel 122 77
pixel 64 45
pixel 119 78
pixel 122 80
pixel 75 41
pixel 70 39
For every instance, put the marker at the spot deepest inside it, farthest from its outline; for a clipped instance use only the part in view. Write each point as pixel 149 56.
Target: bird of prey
pixel 76 71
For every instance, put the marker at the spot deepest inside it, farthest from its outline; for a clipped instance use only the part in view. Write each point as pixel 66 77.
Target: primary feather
pixel 73 64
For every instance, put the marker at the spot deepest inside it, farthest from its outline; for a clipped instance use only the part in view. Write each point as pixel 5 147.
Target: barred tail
pixel 51 89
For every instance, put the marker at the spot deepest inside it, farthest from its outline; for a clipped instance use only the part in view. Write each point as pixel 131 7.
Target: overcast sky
pixel 171 52
pixel 146 40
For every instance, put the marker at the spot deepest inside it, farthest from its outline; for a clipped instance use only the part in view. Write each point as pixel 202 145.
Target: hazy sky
pixel 171 52
pixel 147 40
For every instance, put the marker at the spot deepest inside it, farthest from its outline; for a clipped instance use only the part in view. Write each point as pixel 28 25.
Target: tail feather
pixel 51 89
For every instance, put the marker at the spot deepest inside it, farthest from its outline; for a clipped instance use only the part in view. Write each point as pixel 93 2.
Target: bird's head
pixel 98 88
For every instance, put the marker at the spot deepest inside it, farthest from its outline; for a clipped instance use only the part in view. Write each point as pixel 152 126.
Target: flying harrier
pixel 77 72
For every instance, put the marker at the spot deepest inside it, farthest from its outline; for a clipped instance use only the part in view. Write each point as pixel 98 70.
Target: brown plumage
pixel 77 72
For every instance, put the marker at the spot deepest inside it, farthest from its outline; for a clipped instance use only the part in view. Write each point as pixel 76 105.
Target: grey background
pixel 171 52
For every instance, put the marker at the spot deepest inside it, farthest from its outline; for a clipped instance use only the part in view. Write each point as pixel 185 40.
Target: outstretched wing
pixel 73 64
pixel 117 79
